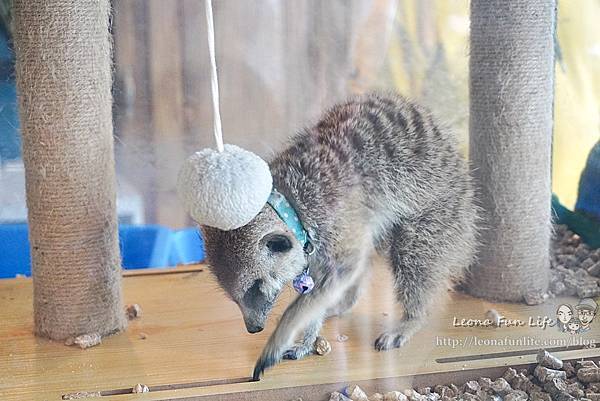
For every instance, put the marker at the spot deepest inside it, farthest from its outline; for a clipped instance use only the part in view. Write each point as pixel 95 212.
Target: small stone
pixel 588 291
pixel 501 387
pixel 594 270
pixel 494 316
pixel 516 395
pixel 81 394
pixel 582 252
pixel 376 397
pixel 414 395
pixel 568 261
pixel 444 391
pixel 322 347
pixel 335 396
pixel 563 397
pixel 555 386
pixel 569 369
pixel 593 387
pixel 582 275
pixel 574 240
pixel 424 390
pixel 433 397
pixel 454 388
pixel 558 288
pixel 575 390
pixel 540 396
pixel 548 360
pixel 535 297
pixel 521 382
pixel 85 341
pixel 133 311
pixel 589 375
pixel 143 336
pixel 485 383
pixel 355 393
pixel 468 397
pixel 523 372
pixel 544 374
pixel 472 387
pixel 585 364
pixel 510 375
pixel 140 388
pixel 341 338
pixel 586 264
pixel 394 396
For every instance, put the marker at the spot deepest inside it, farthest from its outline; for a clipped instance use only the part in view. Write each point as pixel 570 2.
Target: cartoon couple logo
pixel 576 320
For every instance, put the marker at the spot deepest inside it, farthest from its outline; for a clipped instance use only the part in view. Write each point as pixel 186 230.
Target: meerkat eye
pixel 279 243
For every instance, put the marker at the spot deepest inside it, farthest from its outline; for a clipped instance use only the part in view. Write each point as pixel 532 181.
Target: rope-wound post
pixel 63 71
pixel 511 92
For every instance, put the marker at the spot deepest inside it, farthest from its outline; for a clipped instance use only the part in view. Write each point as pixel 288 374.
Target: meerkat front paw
pixel 398 336
pixel 390 340
pixel 299 351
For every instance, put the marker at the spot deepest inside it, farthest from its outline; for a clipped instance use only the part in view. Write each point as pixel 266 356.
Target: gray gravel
pixel 549 380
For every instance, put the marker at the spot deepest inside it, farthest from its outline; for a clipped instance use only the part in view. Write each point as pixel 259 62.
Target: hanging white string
pixel 214 80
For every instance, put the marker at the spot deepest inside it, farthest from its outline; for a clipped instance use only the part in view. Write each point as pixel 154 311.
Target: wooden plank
pixel 166 83
pixel 195 334
pixel 132 111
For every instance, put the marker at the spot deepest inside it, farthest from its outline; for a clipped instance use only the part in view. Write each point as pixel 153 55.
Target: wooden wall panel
pixel 280 64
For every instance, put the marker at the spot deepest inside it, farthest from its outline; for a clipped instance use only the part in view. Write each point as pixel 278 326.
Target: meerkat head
pixel 254 262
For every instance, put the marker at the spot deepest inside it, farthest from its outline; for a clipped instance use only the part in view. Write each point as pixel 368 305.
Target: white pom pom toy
pixel 225 190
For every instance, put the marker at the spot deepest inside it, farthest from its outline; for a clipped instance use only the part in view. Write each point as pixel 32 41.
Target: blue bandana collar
pixel 303 283
pixel 288 215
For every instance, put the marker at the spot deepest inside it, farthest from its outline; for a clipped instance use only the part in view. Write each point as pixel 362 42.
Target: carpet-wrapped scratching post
pixel 511 92
pixel 63 71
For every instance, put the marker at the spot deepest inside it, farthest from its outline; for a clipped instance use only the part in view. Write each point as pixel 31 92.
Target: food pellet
pixel 544 374
pixel 140 388
pixel 85 341
pixel 494 316
pixel 322 346
pixel 394 396
pixel 548 360
pixel 342 338
pixel 355 393
pixel 589 375
pixel 133 311
pixel 335 396
pixel 81 394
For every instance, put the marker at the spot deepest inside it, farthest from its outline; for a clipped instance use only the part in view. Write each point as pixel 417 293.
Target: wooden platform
pixel 196 346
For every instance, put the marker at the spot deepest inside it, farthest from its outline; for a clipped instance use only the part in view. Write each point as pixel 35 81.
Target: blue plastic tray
pixel 141 247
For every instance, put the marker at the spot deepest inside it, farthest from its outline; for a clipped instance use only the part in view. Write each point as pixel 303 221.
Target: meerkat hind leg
pixel 420 256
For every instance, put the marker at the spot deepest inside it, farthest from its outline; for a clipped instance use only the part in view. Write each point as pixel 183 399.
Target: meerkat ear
pixel 225 190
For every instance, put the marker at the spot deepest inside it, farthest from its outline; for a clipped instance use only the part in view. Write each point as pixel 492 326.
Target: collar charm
pixel 304 283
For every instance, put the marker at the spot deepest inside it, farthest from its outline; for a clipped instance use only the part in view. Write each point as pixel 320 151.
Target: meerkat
pixel 375 174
